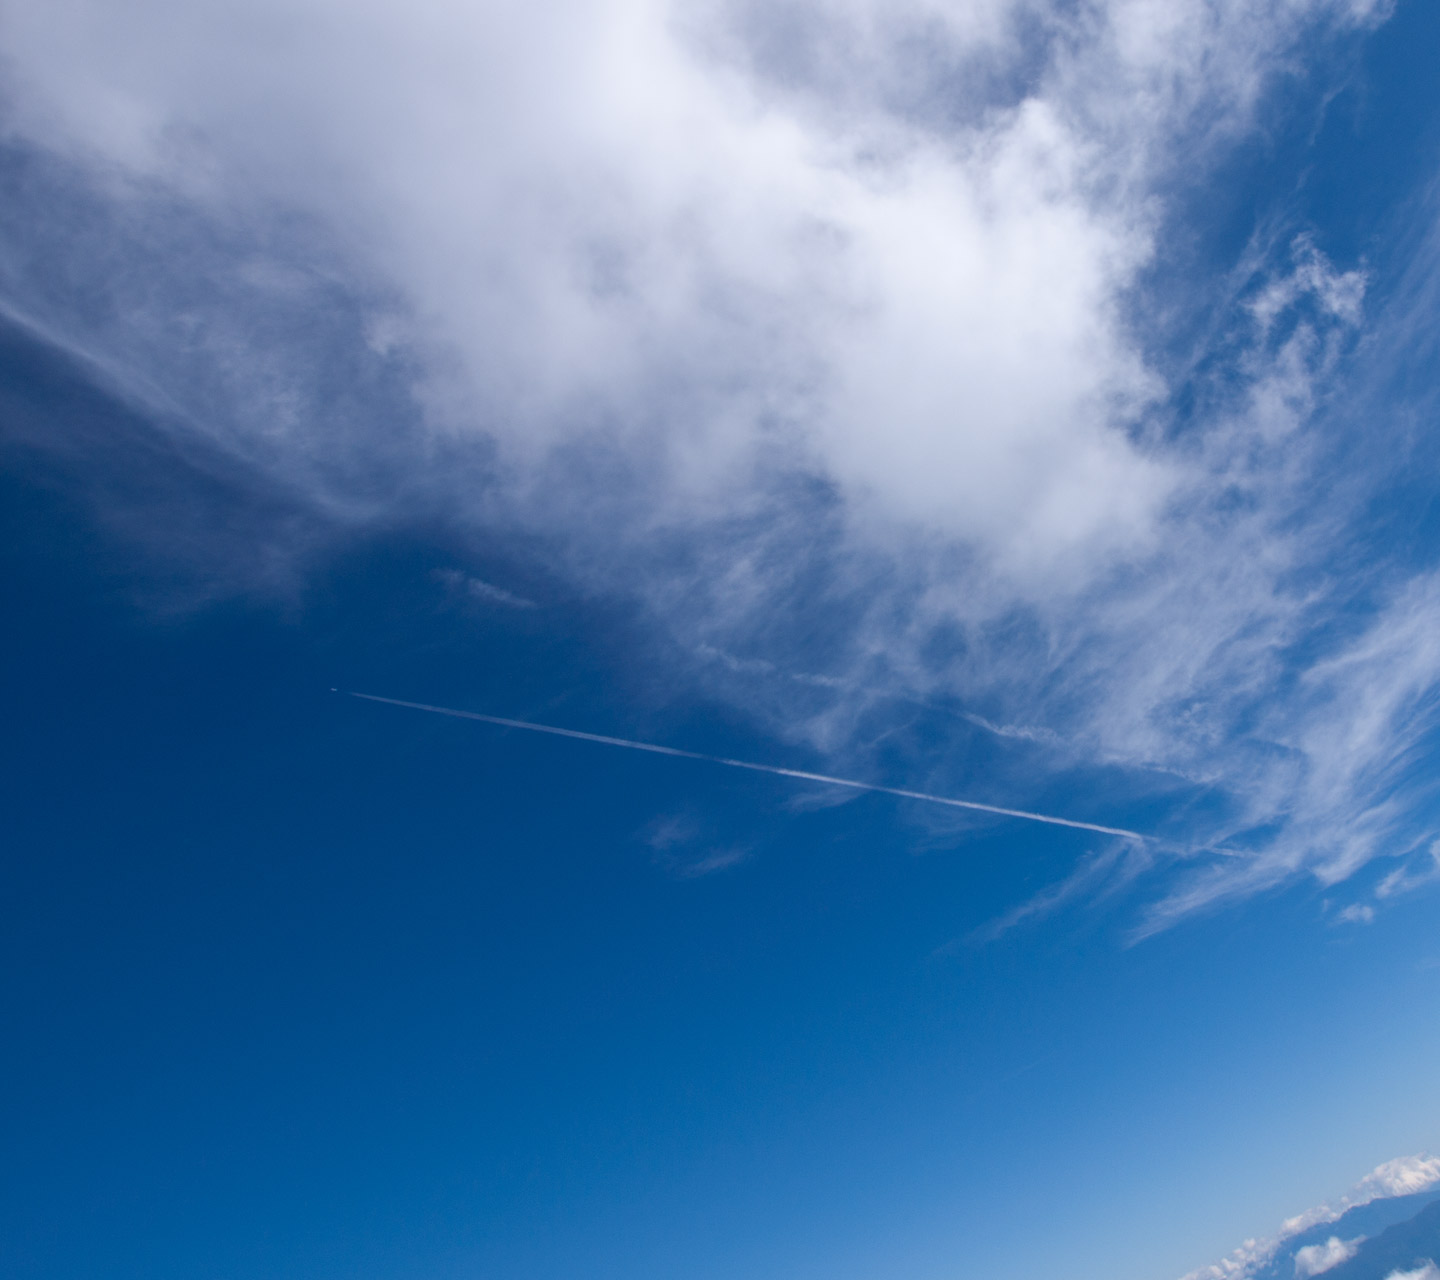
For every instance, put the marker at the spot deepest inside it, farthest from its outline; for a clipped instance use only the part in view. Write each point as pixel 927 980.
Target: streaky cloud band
pixel 803 775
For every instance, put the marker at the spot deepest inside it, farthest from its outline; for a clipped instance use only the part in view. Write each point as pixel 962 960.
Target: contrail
pixel 779 771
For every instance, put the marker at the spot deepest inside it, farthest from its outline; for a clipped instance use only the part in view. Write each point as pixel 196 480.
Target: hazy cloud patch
pixel 469 587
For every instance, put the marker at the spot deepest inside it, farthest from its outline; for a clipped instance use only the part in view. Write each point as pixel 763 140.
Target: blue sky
pixel 1019 402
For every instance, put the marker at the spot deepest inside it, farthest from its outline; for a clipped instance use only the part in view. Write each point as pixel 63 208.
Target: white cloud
pixel 1406 1176
pixel 1315 1258
pixel 681 844
pixel 1428 1272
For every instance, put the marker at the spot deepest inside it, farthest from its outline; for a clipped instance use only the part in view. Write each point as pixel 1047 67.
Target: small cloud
pixel 465 586
pixel 1402 1177
pixel 1410 877
pixel 818 799
pixel 741 666
pixel 1315 1258
pixel 674 829
pixel 1428 1272
pixel 1026 733
pixel 671 839
pixel 819 681
pixel 1339 294
pixel 1358 913
pixel 716 860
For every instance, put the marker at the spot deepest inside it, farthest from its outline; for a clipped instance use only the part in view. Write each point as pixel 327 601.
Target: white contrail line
pixel 802 774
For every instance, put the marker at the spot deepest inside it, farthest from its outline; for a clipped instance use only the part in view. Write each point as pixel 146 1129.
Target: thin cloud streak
pixel 778 770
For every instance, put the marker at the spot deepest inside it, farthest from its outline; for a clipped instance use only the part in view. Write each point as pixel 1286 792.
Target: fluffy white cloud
pixel 1315 1258
pixel 1406 1176
pixel 1428 1272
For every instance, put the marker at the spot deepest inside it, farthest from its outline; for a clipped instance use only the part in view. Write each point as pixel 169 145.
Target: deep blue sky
pixel 297 985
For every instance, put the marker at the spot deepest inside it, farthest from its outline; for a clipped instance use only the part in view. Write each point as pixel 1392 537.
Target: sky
pixel 1026 403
